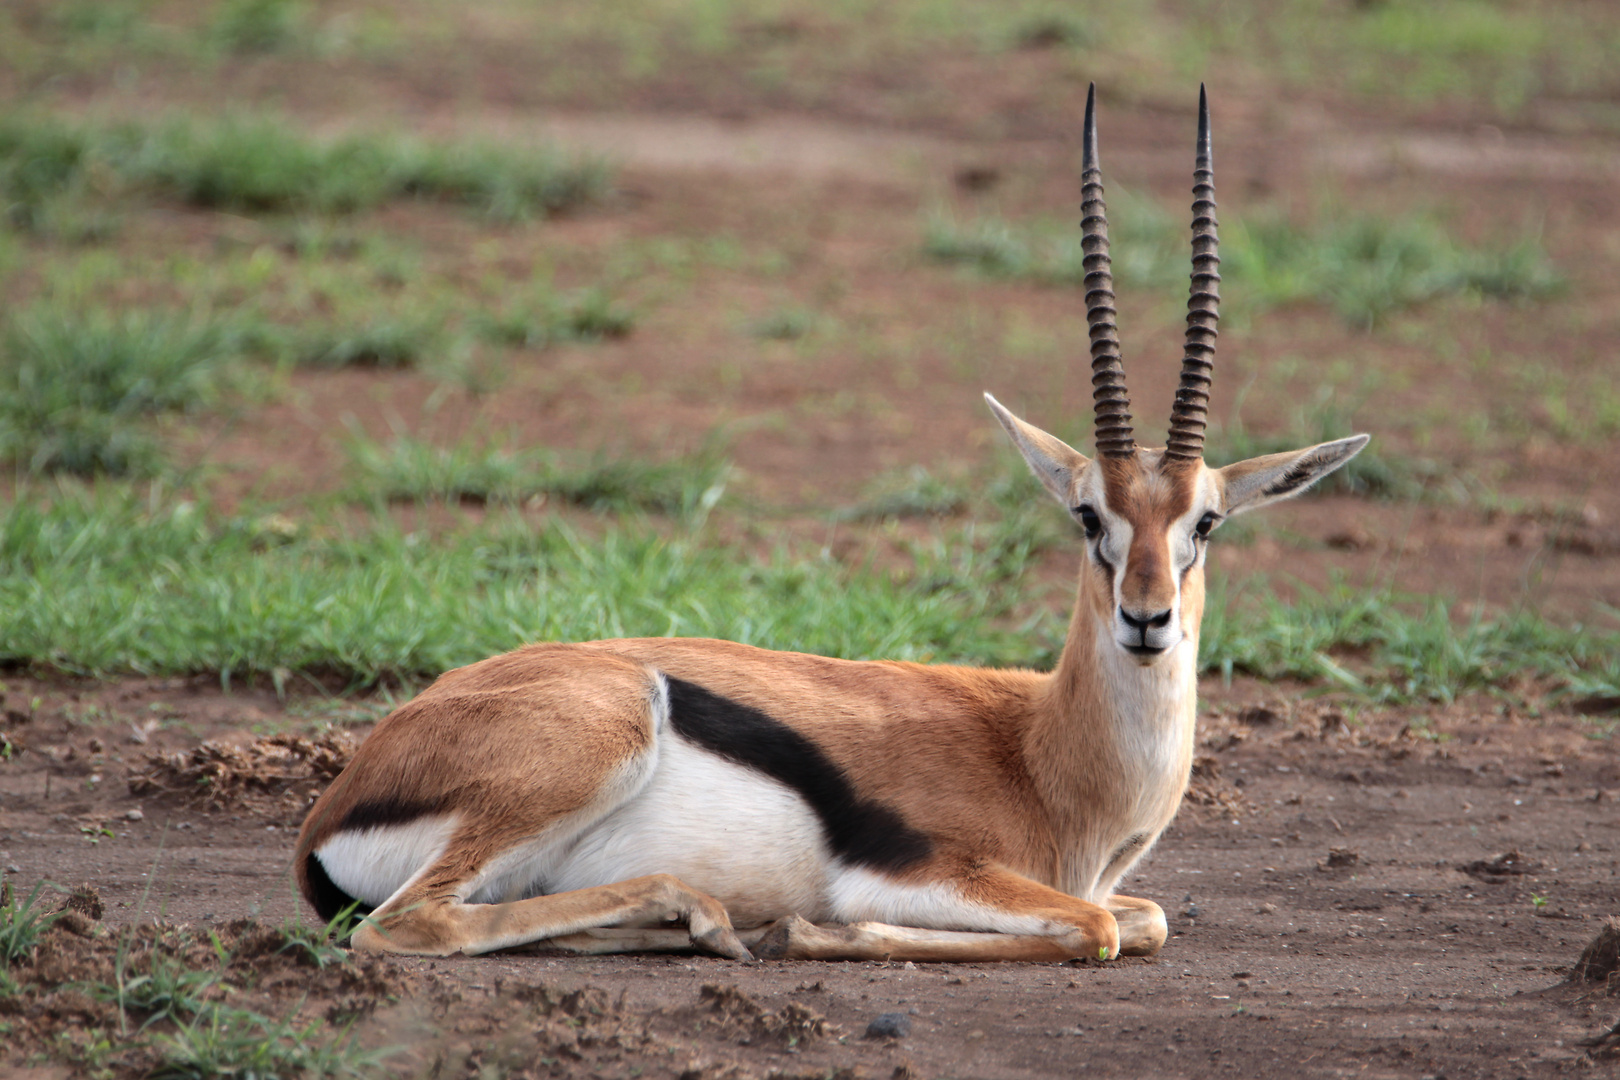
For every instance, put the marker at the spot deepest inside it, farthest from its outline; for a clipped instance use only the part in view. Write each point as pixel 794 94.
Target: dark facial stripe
pixel 324 895
pixel 859 831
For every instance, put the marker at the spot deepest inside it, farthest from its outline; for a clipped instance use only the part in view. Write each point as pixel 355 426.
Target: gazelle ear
pixel 1252 484
pixel 1054 462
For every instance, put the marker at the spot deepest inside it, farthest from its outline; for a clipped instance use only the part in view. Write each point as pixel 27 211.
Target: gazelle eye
pixel 1205 524
pixel 1089 521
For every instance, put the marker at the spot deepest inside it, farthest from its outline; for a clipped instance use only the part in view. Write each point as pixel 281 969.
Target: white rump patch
pixel 373 864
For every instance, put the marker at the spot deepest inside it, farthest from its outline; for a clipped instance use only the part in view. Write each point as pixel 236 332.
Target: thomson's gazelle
pixel 588 795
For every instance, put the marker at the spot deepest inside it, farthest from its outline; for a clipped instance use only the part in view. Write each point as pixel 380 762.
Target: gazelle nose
pixel 1144 623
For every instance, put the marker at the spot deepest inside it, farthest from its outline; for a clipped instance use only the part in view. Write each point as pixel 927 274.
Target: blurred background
pixel 341 342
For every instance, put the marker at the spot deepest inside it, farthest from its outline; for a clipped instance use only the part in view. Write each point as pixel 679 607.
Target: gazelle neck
pixel 1112 727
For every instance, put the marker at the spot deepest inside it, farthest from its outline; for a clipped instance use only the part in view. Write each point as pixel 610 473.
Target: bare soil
pixel 1350 893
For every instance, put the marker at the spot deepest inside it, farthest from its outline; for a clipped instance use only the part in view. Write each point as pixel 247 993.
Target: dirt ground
pixel 1336 887
pixel 1352 891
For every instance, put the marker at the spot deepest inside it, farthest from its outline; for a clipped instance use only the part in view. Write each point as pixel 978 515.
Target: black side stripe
pixel 859 831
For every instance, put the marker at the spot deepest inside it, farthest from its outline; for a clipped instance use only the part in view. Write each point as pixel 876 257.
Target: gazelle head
pixel 1147 514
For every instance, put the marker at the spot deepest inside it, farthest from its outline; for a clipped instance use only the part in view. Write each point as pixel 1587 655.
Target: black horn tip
pixel 1203 121
pixel 1088 160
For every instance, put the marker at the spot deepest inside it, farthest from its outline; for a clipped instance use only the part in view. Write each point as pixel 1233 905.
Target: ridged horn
pixel 1113 405
pixel 1190 414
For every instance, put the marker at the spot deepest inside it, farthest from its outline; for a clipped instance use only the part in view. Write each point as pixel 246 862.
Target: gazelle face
pixel 1148 520
pixel 1146 532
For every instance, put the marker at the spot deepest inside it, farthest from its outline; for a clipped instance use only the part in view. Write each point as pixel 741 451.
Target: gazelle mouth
pixel 1147 650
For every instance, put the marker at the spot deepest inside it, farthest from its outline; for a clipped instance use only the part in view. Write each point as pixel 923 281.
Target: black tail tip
pixel 323 894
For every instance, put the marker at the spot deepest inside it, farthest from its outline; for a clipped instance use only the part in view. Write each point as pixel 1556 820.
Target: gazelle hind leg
pixel 424 925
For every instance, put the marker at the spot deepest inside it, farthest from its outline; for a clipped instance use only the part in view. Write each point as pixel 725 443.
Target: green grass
pixel 78 388
pixel 98 584
pixel 21 923
pixel 1388 647
pixel 259 165
pixel 380 341
pixel 168 989
pixel 587 315
pixel 410 469
pixel 1364 268
pixel 782 324
pixel 255 26
pixel 913 492
pixel 223 1042
pixel 105 584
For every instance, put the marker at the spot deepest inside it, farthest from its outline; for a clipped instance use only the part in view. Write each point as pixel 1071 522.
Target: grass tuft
pixel 222 1042
pixel 1393 648
pixel 382 342
pixel 588 315
pixel 1365 268
pixel 913 492
pixel 255 26
pixel 783 324
pixel 21 922
pixel 259 165
pixel 409 469
pixel 77 388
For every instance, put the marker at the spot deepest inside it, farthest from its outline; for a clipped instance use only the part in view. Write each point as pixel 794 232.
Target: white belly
pixel 729 831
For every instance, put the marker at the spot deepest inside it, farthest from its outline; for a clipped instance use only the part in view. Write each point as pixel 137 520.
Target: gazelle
pixel 587 795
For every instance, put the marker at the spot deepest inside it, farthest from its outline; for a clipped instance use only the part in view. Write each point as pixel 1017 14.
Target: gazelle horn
pixel 1190 414
pixel 1113 405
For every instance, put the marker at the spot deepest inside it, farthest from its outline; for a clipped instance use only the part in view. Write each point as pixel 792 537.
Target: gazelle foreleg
pixel 1142 932
pixel 1142 926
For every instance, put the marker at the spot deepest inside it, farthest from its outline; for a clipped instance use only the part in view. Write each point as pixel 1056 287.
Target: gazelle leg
pixel 428 925
pixel 611 941
pixel 793 938
pixel 1142 932
pixel 1142 926
pixel 959 907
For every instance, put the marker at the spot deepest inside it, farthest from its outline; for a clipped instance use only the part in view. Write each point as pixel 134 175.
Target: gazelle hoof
pixel 723 941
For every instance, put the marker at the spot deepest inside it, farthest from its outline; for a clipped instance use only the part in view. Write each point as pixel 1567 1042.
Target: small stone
pixel 1268 908
pixel 134 815
pixel 890 1026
